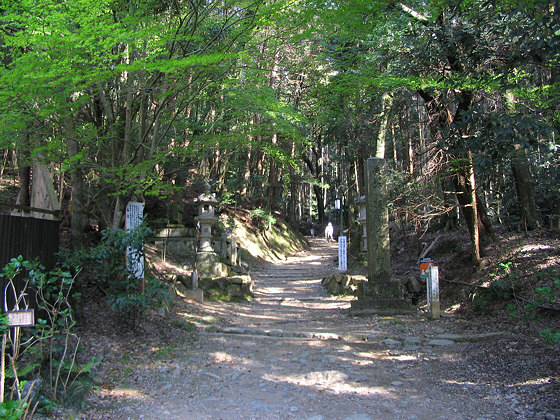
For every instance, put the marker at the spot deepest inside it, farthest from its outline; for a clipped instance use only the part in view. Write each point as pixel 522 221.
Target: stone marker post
pixel 135 257
pixel 432 284
pixel 342 254
pixel 380 294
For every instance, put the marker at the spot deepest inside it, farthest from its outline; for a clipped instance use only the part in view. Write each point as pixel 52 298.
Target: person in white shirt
pixel 329 231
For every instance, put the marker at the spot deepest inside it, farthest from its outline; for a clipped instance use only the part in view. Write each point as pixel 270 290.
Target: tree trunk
pixel 524 187
pixel 476 219
pixel 318 191
pixel 24 194
pixel 5 157
pixel 293 213
pixel 246 174
pixel 360 173
pixel 475 230
pixel 78 219
pixel 478 224
pixel 387 102
pixel 272 178
pixel 350 200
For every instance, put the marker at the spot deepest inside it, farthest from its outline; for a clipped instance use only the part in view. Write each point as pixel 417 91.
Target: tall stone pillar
pixel 380 294
pixel 377 222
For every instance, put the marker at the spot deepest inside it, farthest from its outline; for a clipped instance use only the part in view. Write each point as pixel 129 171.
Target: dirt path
pixel 296 353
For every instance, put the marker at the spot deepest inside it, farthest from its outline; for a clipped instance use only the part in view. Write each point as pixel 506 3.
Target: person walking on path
pixel 312 229
pixel 329 231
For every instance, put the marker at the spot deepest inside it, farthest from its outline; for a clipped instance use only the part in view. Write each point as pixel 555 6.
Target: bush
pixel 546 294
pixel 49 350
pixel 263 218
pixel 107 265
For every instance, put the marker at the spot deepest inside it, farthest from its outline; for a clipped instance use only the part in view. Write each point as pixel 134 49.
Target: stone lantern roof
pixel 207 202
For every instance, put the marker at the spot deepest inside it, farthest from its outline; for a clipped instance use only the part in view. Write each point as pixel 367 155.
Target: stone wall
pixel 180 240
pixel 234 287
pixel 342 284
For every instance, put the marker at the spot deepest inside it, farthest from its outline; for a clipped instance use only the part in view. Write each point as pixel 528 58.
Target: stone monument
pixel 380 294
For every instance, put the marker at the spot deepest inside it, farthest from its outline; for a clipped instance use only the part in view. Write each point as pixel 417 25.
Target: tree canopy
pixel 279 103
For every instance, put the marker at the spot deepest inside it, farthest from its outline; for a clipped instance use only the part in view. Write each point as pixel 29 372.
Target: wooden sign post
pixel 432 284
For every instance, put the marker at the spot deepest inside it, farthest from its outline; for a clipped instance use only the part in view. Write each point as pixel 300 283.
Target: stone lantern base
pixel 208 264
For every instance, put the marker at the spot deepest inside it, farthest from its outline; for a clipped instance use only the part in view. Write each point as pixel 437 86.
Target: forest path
pixel 296 353
pixel 289 295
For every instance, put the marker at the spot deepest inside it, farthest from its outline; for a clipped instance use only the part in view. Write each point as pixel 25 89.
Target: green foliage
pixel 218 295
pixel 228 199
pixel 498 290
pixel 50 349
pixel 22 372
pixel 12 410
pixel 546 294
pixel 106 264
pixel 263 218
pixel 552 337
pixel 4 322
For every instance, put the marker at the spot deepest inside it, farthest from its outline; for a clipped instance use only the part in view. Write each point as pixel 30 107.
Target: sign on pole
pixel 134 257
pixel 425 264
pixel 342 254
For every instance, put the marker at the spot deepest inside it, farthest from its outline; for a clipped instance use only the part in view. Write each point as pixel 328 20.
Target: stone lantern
pixel 206 218
pixel 207 261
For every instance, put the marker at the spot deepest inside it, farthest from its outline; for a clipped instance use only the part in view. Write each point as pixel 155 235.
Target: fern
pixel 22 372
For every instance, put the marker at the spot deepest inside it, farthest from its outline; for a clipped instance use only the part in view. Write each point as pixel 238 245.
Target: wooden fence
pixel 29 237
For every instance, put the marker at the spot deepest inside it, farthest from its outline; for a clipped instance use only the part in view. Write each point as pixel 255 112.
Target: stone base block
pixel 383 298
pixel 196 295
pixel 236 287
pixel 393 290
pixel 208 264
pixel 342 284
pixel 381 307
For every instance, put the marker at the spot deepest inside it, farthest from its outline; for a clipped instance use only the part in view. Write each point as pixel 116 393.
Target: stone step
pixel 289 299
pixel 411 342
pixel 283 276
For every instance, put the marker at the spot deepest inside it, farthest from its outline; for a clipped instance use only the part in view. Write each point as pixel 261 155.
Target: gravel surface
pixel 296 353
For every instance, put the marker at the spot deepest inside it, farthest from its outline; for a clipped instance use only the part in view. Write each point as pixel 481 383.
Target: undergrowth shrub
pixel 263 218
pixel 547 294
pixel 107 265
pixel 40 364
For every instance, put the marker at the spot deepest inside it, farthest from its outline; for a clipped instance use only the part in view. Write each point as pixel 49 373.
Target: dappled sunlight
pixel 198 320
pixel 296 351
pixel 224 357
pixel 532 248
pixel 331 381
pixel 127 392
pixel 402 357
pixel 271 290
pixel 537 381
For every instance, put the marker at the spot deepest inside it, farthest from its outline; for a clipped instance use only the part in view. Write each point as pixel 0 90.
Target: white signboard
pixel 134 257
pixel 342 254
pixel 24 318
